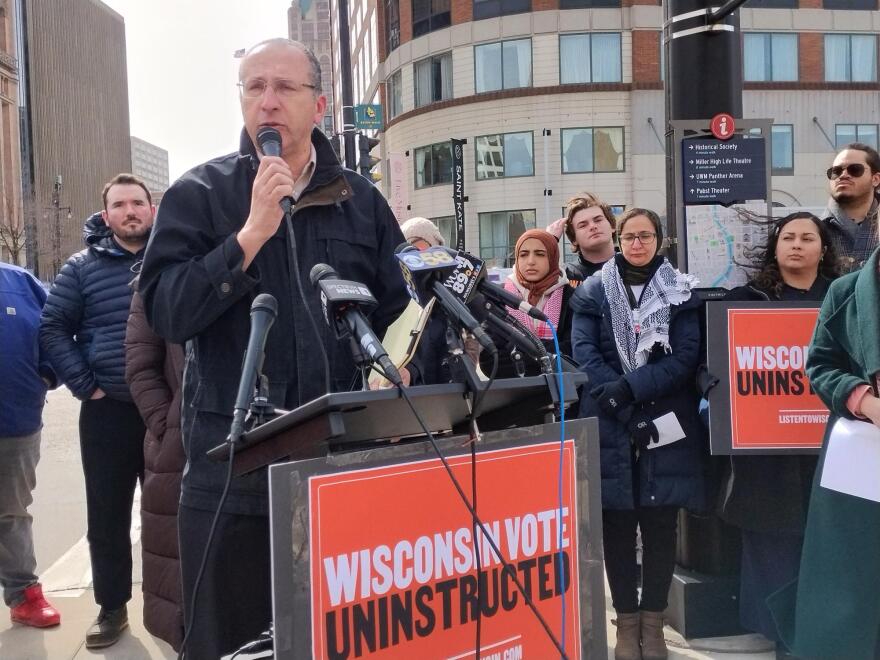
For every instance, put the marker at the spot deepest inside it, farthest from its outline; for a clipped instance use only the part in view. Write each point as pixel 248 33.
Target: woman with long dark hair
pixel 766 497
pixel 636 333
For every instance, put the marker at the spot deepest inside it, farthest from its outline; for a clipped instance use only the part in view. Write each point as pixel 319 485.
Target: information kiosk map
pixel 718 239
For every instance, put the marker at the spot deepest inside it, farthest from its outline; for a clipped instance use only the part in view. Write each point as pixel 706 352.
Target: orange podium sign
pixel 393 558
pixel 764 402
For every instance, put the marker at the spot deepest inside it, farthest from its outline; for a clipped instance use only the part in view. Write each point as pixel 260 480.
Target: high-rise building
pixel 150 163
pixel 308 21
pixel 559 96
pixel 75 111
pixel 12 229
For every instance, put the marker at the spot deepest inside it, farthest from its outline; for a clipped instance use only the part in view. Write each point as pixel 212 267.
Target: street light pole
pixel 56 208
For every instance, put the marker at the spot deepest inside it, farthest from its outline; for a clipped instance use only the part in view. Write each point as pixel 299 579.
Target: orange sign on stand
pixel 393 558
pixel 771 403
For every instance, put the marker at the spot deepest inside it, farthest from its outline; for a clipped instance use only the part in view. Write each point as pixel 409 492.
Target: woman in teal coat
pixel 832 611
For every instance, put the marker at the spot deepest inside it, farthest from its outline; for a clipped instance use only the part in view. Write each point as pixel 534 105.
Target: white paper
pixel 852 460
pixel 669 430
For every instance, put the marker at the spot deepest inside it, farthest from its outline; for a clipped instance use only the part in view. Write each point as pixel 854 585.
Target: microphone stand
pixel 361 361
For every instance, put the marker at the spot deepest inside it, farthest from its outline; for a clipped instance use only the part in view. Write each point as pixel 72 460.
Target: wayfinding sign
pixel 724 172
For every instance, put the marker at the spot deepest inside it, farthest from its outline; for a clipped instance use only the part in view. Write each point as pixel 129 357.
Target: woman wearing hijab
pixel 636 334
pixel 538 279
pixel 767 496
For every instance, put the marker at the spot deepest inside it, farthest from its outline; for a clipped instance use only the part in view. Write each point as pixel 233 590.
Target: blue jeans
pixel 18 477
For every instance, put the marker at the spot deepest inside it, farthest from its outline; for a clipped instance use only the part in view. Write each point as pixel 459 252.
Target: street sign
pixel 716 172
pixel 722 126
pixel 368 116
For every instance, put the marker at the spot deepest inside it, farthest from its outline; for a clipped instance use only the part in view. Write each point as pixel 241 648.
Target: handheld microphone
pixel 264 309
pixel 342 301
pixel 269 141
pixel 421 270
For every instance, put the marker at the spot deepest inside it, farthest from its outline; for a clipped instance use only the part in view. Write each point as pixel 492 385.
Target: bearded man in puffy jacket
pixel 82 331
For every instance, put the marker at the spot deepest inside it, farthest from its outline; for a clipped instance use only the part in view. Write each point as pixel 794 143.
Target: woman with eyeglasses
pixel 636 334
pixel 766 497
pixel 832 610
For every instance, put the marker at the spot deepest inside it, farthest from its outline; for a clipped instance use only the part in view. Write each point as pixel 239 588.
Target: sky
pixel 182 71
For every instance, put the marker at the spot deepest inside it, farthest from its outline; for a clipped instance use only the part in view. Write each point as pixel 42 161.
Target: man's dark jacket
pixel 82 328
pixel 196 292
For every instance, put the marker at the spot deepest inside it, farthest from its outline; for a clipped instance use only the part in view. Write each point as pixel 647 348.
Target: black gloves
pixel 642 430
pixel 613 397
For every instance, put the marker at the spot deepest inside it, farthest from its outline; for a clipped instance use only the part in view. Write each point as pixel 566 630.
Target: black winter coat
pixel 82 328
pixel 671 475
pixel 770 493
pixel 196 292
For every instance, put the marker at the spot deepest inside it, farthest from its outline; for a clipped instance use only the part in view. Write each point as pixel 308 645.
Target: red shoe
pixel 35 610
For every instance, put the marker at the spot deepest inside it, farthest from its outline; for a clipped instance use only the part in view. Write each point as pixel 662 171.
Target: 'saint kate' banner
pixel 764 402
pixel 394 558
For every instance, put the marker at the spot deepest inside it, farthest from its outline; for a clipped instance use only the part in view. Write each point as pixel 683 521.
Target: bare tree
pixel 12 231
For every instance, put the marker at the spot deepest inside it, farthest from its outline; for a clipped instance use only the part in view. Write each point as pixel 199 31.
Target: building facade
pixel 12 228
pixel 76 115
pixel 150 163
pixel 559 96
pixel 308 21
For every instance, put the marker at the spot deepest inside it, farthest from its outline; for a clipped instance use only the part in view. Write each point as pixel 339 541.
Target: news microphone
pixel 421 270
pixel 269 140
pixel 264 309
pixel 342 301
pixel 487 311
pixel 471 276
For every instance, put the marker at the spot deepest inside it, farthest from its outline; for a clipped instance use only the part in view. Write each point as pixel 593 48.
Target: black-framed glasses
pixel 254 88
pixel 855 170
pixel 644 237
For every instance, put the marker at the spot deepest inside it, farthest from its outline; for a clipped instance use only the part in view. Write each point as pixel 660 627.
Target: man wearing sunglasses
pixel 854 179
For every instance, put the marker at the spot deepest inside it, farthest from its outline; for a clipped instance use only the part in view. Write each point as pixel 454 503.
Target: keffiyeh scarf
pixel 637 330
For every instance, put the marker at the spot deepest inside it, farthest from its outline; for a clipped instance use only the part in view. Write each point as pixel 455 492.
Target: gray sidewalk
pixel 67 642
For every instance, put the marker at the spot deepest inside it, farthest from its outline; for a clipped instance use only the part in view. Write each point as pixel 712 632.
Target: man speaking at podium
pixel 219 240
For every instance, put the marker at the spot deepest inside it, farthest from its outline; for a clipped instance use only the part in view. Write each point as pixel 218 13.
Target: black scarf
pixel 637 275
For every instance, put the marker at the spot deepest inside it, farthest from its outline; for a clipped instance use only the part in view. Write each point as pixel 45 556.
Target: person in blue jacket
pixel 82 331
pixel 25 375
pixel 636 334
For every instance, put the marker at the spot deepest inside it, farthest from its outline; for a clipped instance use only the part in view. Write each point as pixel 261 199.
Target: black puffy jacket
pixel 82 328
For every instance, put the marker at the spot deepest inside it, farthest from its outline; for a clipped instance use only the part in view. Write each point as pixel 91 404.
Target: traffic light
pixel 366 163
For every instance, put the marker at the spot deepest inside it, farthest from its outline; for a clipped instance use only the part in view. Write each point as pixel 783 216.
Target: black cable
pixel 198 582
pixel 478 400
pixel 293 267
pixel 509 568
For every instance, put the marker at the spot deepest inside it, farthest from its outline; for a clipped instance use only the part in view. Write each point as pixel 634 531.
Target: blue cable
pixel 561 571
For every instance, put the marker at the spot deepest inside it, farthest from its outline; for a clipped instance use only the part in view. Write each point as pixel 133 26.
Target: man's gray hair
pixel 314 64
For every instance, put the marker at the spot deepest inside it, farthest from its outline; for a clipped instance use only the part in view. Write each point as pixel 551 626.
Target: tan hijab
pixel 537 289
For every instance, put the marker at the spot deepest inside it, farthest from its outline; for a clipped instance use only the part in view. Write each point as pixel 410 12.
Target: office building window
pixel 498 233
pixel 592 150
pixel 433 79
pixel 587 4
pixel 770 57
pixel 846 133
pixel 503 65
pixel 446 225
pixel 773 4
pixel 433 164
pixel 395 94
pixel 849 4
pixel 392 23
pixel 850 58
pixel 492 8
pixel 505 155
pixel 782 149
pixel 586 58
pixel 430 15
